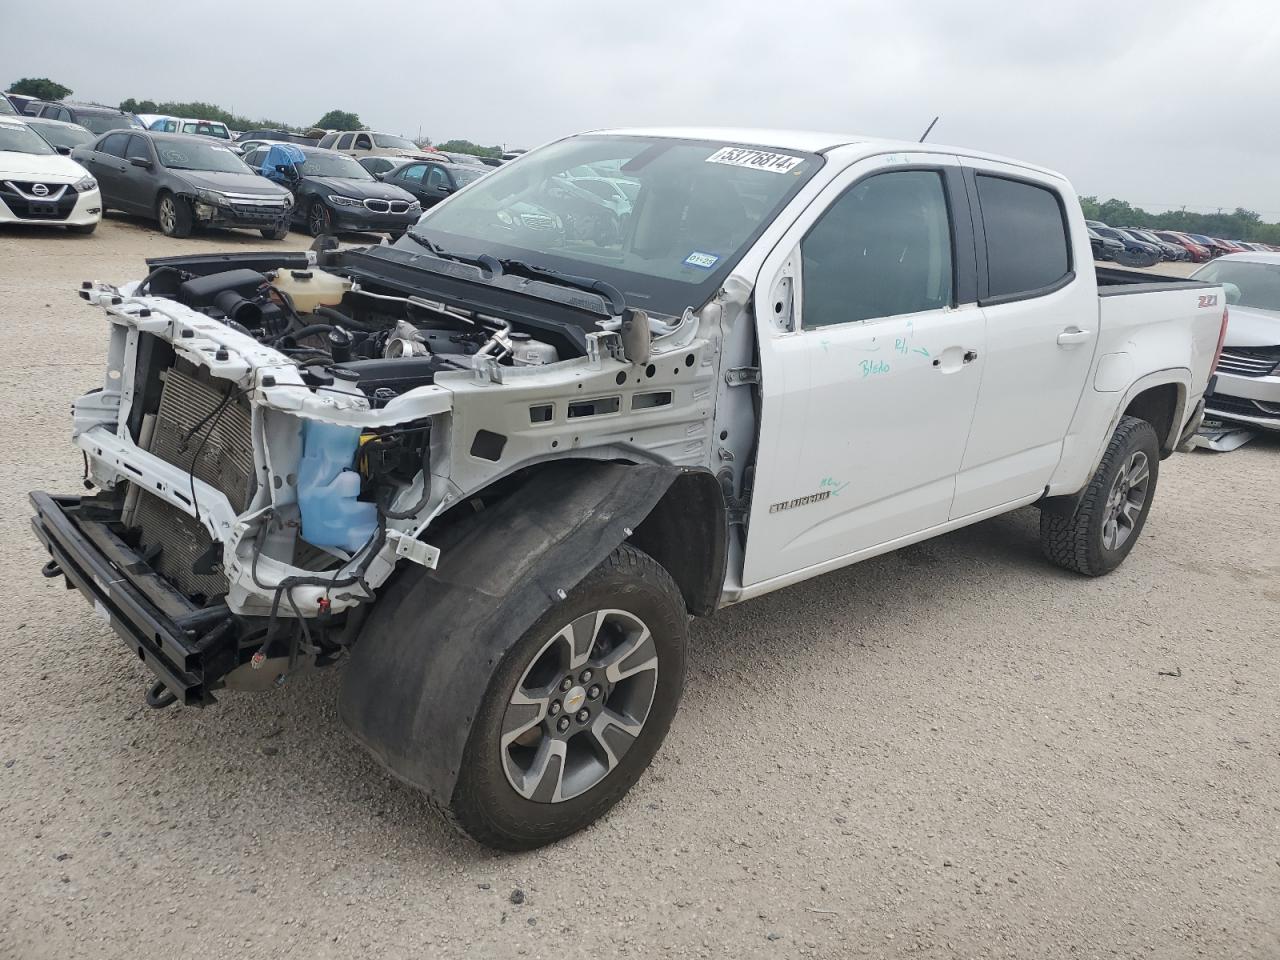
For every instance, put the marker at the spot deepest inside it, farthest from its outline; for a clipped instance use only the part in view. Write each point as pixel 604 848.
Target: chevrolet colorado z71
pixel 496 465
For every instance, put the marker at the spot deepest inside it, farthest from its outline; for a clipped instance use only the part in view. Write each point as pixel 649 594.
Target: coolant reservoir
pixel 312 288
pixel 328 488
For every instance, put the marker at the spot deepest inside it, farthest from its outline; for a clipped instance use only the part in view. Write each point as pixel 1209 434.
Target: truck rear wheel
pixel 577 708
pixel 1114 508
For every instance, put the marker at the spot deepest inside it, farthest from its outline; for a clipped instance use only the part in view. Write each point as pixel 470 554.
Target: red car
pixel 1199 252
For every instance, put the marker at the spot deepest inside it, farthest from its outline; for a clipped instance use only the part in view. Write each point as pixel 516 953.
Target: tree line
pixel 1239 224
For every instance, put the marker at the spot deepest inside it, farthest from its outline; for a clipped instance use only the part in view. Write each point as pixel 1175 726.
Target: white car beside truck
pixel 496 469
pixel 40 186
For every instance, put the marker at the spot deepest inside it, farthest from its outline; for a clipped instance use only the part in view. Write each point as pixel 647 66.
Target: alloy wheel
pixel 168 215
pixel 1125 502
pixel 579 706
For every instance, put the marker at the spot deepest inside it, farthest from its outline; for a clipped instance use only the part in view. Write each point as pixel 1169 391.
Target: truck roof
pixel 812 141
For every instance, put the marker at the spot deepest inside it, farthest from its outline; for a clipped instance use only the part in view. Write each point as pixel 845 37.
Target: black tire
pixel 485 803
pixel 84 229
pixel 174 215
pixel 276 233
pixel 318 219
pixel 1081 542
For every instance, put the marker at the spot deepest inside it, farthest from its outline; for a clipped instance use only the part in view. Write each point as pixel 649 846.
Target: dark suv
pixel 94 119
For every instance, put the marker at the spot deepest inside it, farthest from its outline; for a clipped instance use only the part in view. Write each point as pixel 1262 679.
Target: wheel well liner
pixel 422 664
pixel 687 532
pixel 1159 406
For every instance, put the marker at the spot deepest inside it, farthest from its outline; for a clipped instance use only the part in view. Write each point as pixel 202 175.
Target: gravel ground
pixel 951 751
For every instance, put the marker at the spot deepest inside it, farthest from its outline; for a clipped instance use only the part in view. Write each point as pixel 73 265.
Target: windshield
pixel 698 207
pixel 463 175
pixel 207 130
pixel 1259 283
pixel 193 155
pixel 332 165
pixel 386 140
pixel 19 138
pixel 63 135
pixel 101 123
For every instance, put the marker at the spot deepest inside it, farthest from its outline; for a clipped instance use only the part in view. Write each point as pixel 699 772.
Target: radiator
pixel 173 542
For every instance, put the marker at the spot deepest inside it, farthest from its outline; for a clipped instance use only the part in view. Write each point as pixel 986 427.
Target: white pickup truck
pixel 629 377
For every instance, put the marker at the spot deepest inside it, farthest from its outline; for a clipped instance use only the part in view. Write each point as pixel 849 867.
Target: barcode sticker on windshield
pixel 755 159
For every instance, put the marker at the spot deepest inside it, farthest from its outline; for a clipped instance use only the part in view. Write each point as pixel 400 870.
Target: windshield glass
pixel 386 140
pixel 1259 283
pixel 19 138
pixel 207 130
pixel 698 206
pixel 466 174
pixel 193 155
pixel 333 165
pixel 63 135
pixel 101 123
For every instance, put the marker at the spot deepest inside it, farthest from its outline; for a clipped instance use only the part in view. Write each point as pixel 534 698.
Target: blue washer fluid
pixel 328 487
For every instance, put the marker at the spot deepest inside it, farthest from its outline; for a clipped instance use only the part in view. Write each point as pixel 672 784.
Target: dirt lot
pixel 952 751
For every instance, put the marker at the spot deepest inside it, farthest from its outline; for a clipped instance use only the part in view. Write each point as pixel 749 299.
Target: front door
pixel 137 184
pixel 867 402
pixel 106 163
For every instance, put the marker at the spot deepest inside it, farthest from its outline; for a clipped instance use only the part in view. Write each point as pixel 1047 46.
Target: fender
pixel 410 696
pixel 1065 504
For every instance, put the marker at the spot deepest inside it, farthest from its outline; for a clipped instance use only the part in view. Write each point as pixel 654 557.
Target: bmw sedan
pixel 333 193
pixel 184 182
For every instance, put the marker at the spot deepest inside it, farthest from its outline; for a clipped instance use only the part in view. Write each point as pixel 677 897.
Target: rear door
pixel 1036 289
pixel 867 402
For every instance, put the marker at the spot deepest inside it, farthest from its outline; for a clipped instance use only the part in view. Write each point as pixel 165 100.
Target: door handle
pixel 970 356
pixel 1073 335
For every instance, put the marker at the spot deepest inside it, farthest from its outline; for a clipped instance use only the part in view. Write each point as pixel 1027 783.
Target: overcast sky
pixel 1160 102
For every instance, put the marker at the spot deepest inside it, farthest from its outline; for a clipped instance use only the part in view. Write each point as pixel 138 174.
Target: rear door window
pixel 1026 231
pixel 344 142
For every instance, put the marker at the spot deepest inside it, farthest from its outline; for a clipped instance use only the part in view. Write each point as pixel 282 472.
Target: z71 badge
pixel 799 501
pixel 1209 300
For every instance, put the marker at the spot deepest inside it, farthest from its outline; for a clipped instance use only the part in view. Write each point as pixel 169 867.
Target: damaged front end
pixel 273 436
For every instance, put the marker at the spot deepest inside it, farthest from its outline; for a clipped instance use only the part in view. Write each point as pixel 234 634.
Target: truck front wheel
pixel 577 708
pixel 1111 514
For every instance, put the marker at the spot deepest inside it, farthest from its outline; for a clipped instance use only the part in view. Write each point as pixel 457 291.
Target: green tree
pixel 138 106
pixel 42 88
pixel 340 120
pixel 466 146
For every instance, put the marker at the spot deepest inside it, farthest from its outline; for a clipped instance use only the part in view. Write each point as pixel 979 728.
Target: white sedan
pixel 40 186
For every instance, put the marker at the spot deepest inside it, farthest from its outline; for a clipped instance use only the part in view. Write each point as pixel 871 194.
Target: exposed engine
pixel 379 343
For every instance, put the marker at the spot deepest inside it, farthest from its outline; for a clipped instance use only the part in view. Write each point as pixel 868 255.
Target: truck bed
pixel 1117 282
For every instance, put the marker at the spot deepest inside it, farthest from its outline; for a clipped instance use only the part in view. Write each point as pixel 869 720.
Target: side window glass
pixel 412 173
pixel 114 145
pixel 1026 232
pixel 437 178
pixel 138 148
pixel 344 142
pixel 881 250
pixel 363 143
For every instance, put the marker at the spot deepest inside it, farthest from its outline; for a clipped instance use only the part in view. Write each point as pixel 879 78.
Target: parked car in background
pixel 19 102
pixel 1136 253
pixel 1216 247
pixel 430 182
pixel 368 143
pixel 278 136
pixel 1168 250
pixel 62 136
pixel 93 118
pixel 1247 389
pixel 452 157
pixel 1104 248
pixel 183 182
pixel 333 193
pixel 199 128
pixel 381 166
pixel 1198 252
pixel 41 186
